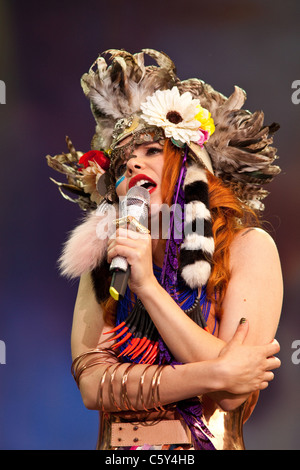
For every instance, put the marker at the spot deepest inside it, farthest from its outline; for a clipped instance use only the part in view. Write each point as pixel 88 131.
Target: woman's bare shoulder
pixel 255 289
pixel 253 243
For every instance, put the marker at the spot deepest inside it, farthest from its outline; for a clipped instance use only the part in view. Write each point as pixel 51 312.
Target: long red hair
pixel 229 216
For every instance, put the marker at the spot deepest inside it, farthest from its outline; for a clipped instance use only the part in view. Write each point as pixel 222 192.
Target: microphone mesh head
pixel 139 193
pixel 137 203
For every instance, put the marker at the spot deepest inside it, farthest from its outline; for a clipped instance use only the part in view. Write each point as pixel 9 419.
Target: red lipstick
pixel 148 183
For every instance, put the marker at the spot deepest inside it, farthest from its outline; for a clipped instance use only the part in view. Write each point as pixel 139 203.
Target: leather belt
pixel 150 432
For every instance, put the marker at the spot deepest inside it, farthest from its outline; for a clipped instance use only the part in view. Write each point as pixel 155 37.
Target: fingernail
pixel 242 320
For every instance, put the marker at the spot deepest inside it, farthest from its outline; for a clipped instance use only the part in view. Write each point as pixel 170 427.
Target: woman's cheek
pixel 121 186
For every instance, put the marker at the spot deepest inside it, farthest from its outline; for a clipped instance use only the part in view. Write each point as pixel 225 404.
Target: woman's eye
pixel 120 170
pixel 153 150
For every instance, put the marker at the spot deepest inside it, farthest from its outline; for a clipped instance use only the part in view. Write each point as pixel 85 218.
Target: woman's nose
pixel 134 163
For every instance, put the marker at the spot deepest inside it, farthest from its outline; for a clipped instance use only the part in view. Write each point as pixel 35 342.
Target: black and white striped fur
pixel 197 249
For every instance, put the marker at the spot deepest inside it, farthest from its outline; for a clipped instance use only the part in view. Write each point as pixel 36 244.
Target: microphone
pixel 136 203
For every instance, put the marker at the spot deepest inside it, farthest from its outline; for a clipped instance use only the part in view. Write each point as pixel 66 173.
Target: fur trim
pixel 197 249
pixel 196 274
pixel 194 241
pixel 86 247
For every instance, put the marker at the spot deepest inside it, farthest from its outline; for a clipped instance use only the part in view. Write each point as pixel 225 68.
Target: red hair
pixel 229 216
pixel 172 164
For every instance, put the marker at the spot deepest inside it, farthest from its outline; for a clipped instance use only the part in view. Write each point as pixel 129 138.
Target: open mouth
pixel 143 180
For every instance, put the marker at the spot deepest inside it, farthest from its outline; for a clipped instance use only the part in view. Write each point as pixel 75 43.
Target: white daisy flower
pixel 174 113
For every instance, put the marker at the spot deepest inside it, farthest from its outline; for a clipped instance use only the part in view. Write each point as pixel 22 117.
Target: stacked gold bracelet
pixel 104 356
pixel 108 357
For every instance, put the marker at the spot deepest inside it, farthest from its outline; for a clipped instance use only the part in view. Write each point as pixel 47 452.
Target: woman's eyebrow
pixel 150 144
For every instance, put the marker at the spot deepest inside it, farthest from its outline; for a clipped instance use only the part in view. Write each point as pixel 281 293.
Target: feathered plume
pixel 74 190
pixel 241 147
pixel 117 90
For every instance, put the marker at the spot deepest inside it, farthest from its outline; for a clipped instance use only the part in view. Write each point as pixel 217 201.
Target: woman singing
pixel 178 359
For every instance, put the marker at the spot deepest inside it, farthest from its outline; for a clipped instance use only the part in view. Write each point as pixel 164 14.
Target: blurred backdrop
pixel 45 47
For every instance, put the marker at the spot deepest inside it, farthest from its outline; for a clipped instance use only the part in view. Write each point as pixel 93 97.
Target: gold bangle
pixel 85 367
pixel 107 353
pixel 101 406
pixel 125 398
pixel 112 377
pixel 154 386
pixel 142 379
pixel 159 404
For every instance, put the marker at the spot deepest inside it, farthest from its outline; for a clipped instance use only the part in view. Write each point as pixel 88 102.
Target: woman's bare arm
pixel 88 332
pixel 234 370
pixel 255 292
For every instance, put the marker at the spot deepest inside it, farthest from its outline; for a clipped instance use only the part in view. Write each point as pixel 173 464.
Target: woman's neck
pixel 158 252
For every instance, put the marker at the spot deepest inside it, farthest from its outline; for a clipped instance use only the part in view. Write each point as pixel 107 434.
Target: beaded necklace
pixel 138 338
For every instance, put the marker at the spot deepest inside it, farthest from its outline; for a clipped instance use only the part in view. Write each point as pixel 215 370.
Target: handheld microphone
pixel 136 204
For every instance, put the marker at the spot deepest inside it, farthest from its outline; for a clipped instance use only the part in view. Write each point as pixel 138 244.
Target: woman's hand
pixel 248 368
pixel 137 249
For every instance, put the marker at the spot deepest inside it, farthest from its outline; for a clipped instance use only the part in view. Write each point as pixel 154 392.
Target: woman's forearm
pixel 195 344
pixel 239 370
pixel 176 384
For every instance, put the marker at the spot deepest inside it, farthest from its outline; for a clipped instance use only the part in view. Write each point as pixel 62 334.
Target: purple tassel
pixel 191 412
pixel 170 265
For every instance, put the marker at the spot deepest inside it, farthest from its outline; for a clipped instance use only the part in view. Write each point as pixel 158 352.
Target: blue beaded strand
pixel 184 296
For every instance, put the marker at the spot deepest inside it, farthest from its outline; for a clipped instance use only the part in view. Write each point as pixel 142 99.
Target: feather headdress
pixel 236 146
pixel 116 91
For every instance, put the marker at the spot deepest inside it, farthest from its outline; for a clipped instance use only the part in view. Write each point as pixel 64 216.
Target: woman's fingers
pixel 129 244
pixel 127 233
pixel 251 366
pixel 137 249
pixel 238 337
pixel 272 348
pixel 273 363
pixel 268 377
pixel 120 250
pixel 241 332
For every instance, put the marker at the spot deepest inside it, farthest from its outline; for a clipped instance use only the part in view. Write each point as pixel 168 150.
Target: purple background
pixel 45 47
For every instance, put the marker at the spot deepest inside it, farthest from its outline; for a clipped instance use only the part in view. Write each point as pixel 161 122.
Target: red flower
pixel 95 156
